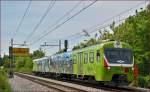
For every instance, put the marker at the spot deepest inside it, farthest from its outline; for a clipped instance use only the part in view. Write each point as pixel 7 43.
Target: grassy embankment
pixel 4 84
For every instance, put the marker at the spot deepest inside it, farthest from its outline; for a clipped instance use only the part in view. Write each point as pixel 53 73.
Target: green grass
pixel 4 84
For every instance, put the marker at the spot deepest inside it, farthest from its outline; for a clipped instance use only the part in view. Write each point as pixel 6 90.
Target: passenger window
pixel 85 58
pixel 91 57
pixel 98 55
pixel 74 59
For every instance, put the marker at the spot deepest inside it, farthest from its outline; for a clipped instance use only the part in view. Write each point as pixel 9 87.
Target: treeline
pixel 21 64
pixel 25 64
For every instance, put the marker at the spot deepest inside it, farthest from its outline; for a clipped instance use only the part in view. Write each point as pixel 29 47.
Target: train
pixel 108 62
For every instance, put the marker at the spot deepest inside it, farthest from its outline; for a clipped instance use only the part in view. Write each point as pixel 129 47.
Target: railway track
pixel 110 87
pixel 58 85
pixel 78 86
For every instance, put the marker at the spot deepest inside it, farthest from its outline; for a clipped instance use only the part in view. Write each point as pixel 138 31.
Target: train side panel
pixel 114 72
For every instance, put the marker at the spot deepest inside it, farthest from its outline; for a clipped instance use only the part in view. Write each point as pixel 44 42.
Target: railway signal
pixel 66 45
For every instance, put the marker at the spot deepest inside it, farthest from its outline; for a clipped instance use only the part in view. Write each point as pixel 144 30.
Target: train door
pixel 80 63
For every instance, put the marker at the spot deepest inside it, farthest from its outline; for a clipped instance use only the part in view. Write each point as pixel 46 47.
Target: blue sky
pixel 12 12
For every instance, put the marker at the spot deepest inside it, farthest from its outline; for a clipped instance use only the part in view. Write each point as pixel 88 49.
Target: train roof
pixel 97 46
pixel 62 54
pixel 68 54
pixel 40 59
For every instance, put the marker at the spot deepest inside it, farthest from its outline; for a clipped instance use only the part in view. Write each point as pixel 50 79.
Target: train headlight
pixel 132 68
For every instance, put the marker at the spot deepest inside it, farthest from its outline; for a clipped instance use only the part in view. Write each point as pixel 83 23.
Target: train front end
pixel 118 64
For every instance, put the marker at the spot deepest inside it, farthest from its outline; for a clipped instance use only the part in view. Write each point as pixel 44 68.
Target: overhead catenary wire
pixel 50 6
pixel 104 26
pixel 121 13
pixel 100 25
pixel 64 22
pixel 65 15
pixel 92 31
pixel 22 19
pixel 83 35
pixel 61 18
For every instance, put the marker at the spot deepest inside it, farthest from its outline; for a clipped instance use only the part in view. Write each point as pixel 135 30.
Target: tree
pixel 24 64
pixel 6 61
pixel 37 54
pixel 1 61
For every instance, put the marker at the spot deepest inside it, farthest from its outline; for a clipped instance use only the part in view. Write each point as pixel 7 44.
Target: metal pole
pixel 0 30
pixel 11 62
pixel 43 49
pixel 59 45
pixel 45 43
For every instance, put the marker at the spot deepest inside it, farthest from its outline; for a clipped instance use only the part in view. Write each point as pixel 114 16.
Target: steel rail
pixel 82 83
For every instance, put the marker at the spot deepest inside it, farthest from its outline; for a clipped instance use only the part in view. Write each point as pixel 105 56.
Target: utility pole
pixel 11 60
pixel 59 45
pixel 0 31
pixel 11 73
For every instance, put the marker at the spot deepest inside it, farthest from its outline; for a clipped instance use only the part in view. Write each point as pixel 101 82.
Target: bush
pixel 4 84
pixel 143 81
pixel 24 65
pixel 147 78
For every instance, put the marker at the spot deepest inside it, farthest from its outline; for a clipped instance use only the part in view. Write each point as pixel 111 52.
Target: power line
pixel 95 26
pixel 101 27
pixel 102 23
pixel 22 19
pixel 115 16
pixel 79 35
pixel 64 22
pixel 61 18
pixel 50 6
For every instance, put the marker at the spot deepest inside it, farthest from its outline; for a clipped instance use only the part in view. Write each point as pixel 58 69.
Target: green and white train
pixel 106 62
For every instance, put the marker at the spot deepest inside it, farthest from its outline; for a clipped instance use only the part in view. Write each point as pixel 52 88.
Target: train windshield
pixel 119 55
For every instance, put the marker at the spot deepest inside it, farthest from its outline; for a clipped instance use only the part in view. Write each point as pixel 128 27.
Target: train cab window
pixel 74 59
pixel 98 55
pixel 91 57
pixel 85 57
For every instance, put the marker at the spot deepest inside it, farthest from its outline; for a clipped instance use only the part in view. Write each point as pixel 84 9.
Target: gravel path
pixel 23 85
